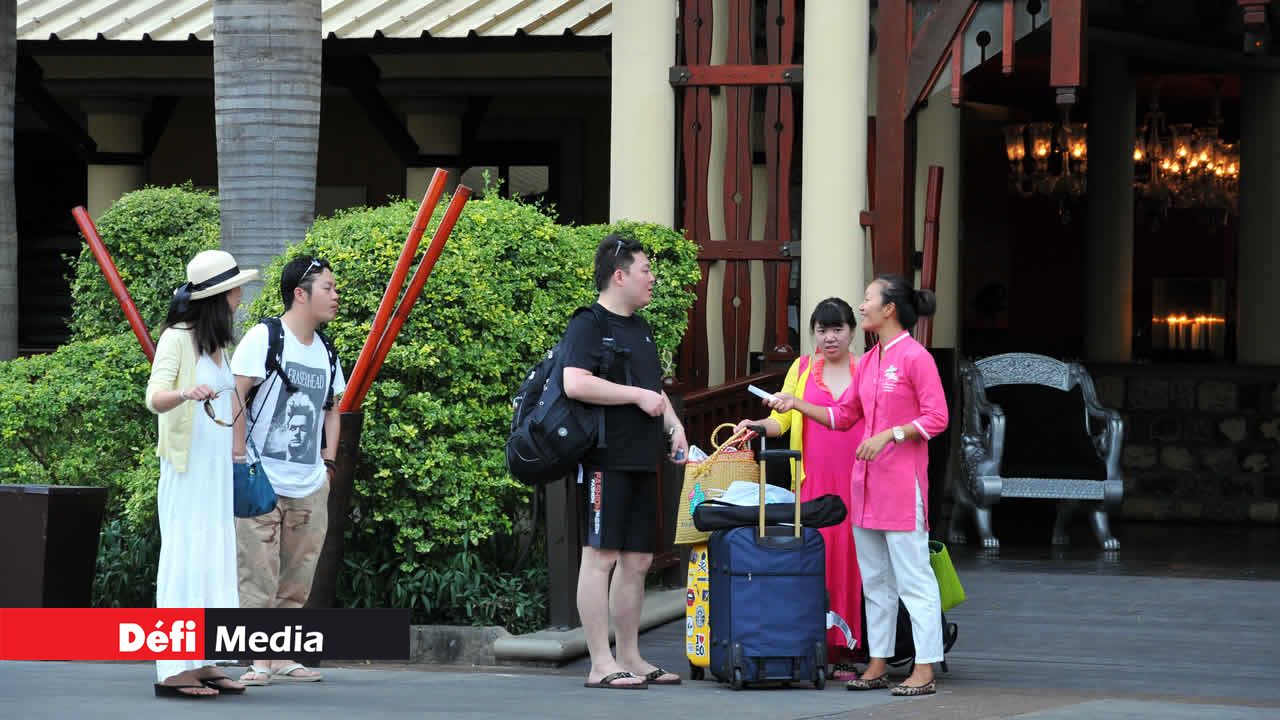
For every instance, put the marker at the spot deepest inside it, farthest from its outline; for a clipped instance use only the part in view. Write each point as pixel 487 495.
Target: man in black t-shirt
pixel 621 501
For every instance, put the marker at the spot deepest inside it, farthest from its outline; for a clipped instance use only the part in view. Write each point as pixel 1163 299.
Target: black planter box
pixel 50 535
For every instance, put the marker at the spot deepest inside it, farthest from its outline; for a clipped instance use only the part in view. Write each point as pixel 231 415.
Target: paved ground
pixel 1180 624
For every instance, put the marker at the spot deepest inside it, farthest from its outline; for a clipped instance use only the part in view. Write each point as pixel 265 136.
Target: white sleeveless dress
pixel 197 526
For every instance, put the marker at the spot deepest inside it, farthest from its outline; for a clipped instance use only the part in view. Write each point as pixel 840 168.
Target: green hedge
pixel 151 234
pixel 432 477
pixel 75 417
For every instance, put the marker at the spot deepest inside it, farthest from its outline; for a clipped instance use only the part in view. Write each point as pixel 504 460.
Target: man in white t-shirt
pixel 289 414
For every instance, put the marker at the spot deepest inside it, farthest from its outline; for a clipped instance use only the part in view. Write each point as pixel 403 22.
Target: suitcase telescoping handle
pixel 765 456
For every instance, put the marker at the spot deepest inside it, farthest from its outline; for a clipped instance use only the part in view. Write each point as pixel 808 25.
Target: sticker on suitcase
pixel 697 611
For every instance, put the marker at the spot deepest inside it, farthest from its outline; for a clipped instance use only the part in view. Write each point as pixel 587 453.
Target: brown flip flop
pixel 175 691
pixel 214 682
pixel 653 675
pixel 607 682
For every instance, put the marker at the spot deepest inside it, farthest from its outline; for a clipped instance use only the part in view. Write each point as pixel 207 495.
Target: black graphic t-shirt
pixel 634 439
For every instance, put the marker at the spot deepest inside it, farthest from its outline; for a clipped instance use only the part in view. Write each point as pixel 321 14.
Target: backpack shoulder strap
pixel 333 367
pixel 272 363
pixel 275 344
pixel 607 352
pixel 610 351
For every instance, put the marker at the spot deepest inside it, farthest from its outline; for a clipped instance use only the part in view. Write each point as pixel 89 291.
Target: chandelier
pixel 1175 165
pixel 1046 158
pixel 1184 166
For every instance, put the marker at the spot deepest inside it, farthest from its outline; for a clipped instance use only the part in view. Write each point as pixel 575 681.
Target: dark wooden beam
pixel 156 120
pixel 708 75
pixel 30 85
pixel 929 264
pixel 360 75
pixel 1068 56
pixel 542 87
pixel 932 46
pixel 1257 33
pixel 957 71
pixel 472 117
pixel 894 180
pixel 1181 54
pixel 333 46
pixel 1008 37
pixel 1254 12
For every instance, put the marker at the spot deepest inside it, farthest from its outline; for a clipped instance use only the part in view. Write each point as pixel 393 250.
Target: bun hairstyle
pixel 912 304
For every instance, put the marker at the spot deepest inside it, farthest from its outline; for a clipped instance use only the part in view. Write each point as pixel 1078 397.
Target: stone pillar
pixel 1108 270
pixel 116 126
pixel 1259 258
pixel 939 142
pixel 642 126
pixel 837 42
pixel 436 125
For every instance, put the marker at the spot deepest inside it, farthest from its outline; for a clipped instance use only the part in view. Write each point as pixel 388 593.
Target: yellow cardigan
pixel 795 384
pixel 174 368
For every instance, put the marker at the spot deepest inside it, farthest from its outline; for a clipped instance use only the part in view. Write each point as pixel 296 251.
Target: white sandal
pixel 263 679
pixel 282 674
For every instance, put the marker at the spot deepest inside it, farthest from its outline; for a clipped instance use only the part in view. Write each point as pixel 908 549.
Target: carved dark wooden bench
pixel 1033 428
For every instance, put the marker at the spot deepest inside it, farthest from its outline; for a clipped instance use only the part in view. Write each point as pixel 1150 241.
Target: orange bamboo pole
pixel 441 236
pixel 429 201
pixel 112 275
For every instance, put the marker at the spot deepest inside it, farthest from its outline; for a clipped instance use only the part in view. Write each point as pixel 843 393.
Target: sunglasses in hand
pixel 208 408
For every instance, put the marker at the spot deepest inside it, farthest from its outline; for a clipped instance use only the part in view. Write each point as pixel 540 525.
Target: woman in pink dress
pixel 827 464
pixel 898 398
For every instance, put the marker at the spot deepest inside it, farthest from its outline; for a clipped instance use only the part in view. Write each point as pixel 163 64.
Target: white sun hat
pixel 212 272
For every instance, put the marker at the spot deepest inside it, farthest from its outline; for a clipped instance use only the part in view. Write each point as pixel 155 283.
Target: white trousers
pixel 895 565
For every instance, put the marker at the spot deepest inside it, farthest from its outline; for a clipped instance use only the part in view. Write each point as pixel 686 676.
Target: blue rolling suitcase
pixel 768 603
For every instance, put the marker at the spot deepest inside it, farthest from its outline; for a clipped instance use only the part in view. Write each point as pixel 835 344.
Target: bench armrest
pixel 984 424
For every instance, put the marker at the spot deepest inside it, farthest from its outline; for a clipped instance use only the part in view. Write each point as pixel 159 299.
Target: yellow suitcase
pixel 697 623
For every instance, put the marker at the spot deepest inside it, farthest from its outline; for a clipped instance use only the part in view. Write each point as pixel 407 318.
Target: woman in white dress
pixel 192 392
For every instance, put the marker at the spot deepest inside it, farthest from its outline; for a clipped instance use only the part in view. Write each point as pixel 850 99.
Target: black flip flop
pixel 607 682
pixel 653 675
pixel 175 691
pixel 213 683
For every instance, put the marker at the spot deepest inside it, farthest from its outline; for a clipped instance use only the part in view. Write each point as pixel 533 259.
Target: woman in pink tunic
pixel 827 463
pixel 898 396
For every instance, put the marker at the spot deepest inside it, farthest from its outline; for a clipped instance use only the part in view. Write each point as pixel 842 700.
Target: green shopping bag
pixel 949 587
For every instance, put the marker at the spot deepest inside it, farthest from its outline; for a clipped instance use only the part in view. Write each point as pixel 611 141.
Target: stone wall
pixel 1202 443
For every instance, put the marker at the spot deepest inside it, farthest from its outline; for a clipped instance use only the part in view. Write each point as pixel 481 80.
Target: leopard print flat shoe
pixel 928 688
pixel 879 683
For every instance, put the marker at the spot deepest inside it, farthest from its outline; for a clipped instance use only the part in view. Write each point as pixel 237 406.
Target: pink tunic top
pixel 902 388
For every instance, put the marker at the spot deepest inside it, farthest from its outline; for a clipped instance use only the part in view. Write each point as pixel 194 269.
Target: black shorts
pixel 621 509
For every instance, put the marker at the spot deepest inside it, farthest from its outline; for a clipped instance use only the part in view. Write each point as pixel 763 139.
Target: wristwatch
pixel 899 434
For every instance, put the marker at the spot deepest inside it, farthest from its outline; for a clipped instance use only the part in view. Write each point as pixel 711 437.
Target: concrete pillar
pixel 436 125
pixel 939 142
pixel 1108 270
pixel 1259 259
pixel 116 126
pixel 836 40
pixel 642 139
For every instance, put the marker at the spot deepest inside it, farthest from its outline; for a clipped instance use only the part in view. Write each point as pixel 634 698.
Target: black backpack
pixel 551 432
pixel 275 364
